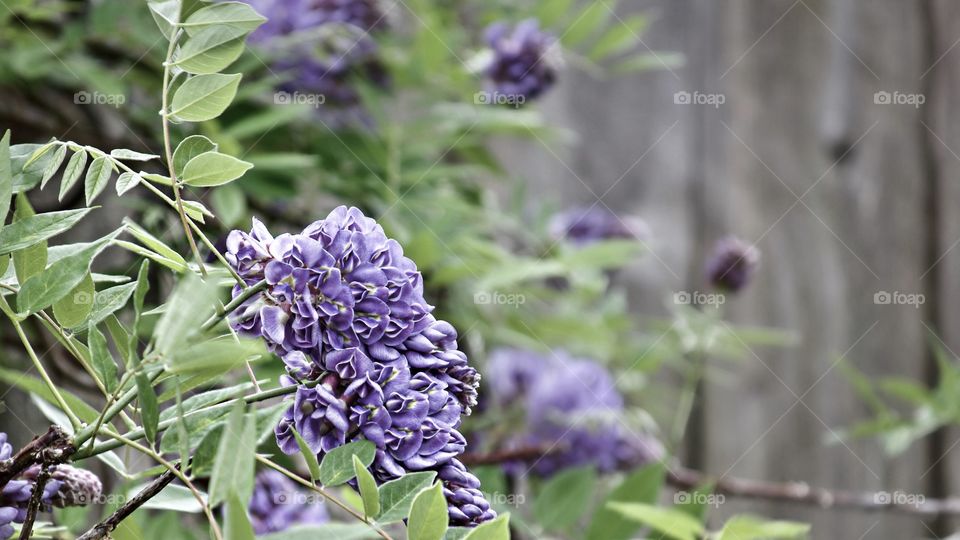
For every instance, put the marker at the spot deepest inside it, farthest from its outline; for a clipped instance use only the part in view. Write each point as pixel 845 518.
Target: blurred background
pixel 818 132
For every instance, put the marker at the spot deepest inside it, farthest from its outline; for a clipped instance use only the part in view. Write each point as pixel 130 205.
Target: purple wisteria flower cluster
pixel 732 264
pixel 583 226
pixel 524 62
pixel 344 310
pixel 324 43
pixel 278 504
pixel 67 486
pixel 573 407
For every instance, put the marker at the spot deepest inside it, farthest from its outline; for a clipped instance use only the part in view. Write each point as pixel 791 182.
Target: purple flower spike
pixel 344 310
pixel 278 504
pixel 524 65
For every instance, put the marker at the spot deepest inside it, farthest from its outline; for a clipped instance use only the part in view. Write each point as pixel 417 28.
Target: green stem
pixel 111 411
pixel 138 434
pixel 74 420
pixel 168 150
pixel 233 304
pixel 688 396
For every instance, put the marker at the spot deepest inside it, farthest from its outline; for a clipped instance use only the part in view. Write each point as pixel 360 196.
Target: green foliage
pixel 337 465
pixel 428 515
pixel 396 496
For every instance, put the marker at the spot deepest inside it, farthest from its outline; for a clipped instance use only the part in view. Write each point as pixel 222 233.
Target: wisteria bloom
pixel 732 264
pixel 573 407
pixel 321 46
pixel 524 62
pixel 344 310
pixel 278 504
pixel 582 226
pixel 66 486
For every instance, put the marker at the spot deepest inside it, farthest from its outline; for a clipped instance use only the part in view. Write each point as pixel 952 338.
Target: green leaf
pixel 6 179
pixel 498 529
pixel 213 169
pixel 588 22
pixel 669 521
pixel 230 204
pixel 751 528
pixel 152 255
pixel 232 14
pixel 428 515
pixel 327 531
pixel 73 172
pixel 101 358
pixel 309 456
pixel 149 408
pixel 368 489
pixel 565 497
pixel 127 181
pixel 204 97
pixel 211 50
pixel 54 165
pixel 130 155
pixel 218 355
pixel 74 308
pixel 641 486
pixel 196 210
pixel 40 152
pixel 236 523
pixel 233 470
pixel 31 260
pixel 550 12
pixel 153 242
pixel 31 230
pixel 337 466
pixel 623 35
pixel 189 306
pixel 98 175
pixel 190 148
pixel 173 497
pixel 396 496
pixel 60 277
pixel 166 13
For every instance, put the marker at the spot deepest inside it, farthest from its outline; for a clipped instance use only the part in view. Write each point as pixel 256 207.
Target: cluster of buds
pixel 344 310
pixel 65 486
pixel 524 61
pixel 278 504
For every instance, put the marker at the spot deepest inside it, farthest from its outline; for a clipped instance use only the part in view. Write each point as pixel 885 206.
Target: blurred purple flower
pixel 322 45
pixel 573 407
pixel 582 226
pixel 278 504
pixel 344 310
pixel 524 64
pixel 732 264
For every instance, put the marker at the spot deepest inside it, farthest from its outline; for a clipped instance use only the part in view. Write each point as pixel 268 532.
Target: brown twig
pixel 36 499
pixel 53 447
pixel 792 492
pixel 105 527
